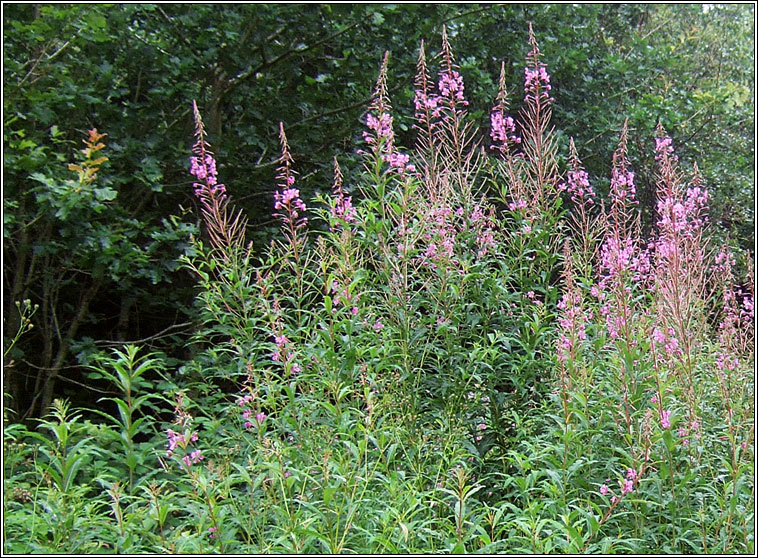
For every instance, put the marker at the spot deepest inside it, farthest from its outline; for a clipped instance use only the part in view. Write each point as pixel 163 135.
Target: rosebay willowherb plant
pixel 425 285
pixel 456 349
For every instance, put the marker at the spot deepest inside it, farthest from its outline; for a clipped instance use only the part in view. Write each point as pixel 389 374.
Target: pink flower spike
pixel 280 340
pixel 290 208
pixel 665 422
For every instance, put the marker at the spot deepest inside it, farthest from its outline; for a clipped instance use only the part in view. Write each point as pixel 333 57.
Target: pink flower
pixel 502 130
pixel 604 489
pixel 628 487
pixel 665 422
pixel 536 79
pixel 260 417
pixel 174 440
pixel 203 166
pixel 518 204
pixel 577 183
pixel 287 199
pixel 631 474
pixel 658 336
pixel 451 86
pixel 242 401
pixel 663 148
pixel 343 207
pixel 378 326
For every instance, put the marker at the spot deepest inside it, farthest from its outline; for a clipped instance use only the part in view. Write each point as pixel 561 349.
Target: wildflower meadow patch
pixel 466 346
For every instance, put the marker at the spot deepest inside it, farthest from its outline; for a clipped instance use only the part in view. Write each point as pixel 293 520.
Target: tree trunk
pixel 63 350
pixel 12 380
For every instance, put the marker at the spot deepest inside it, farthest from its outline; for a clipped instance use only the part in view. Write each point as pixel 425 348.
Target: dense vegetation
pixel 489 307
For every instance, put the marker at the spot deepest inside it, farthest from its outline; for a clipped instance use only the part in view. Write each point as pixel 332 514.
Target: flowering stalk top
pixel 287 199
pixel 623 190
pixel 203 165
pixel 226 228
pixel 450 82
pixel 622 262
pixel 577 183
pixel 381 136
pixel 681 213
pixel 185 438
pixel 502 127
pixel 425 101
pixel 536 79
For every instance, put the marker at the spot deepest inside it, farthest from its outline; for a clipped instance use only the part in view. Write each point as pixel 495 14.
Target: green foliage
pixel 132 421
pixel 72 245
pixel 410 378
